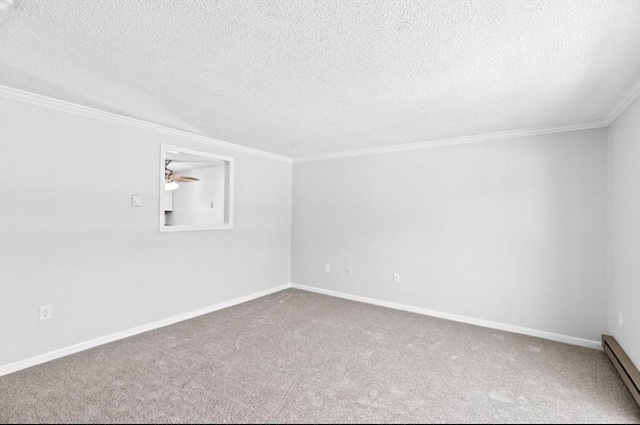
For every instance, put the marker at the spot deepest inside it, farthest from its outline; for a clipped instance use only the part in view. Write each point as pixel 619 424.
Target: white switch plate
pixel 327 268
pixel 620 319
pixel 136 200
pixel 396 277
pixel 46 312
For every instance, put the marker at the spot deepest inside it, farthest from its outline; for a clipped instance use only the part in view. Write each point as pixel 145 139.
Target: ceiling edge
pixel 52 103
pixel 501 135
pixel 60 105
pixel 632 93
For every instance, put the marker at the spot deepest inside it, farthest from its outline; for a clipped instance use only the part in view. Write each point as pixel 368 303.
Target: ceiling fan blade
pixel 184 179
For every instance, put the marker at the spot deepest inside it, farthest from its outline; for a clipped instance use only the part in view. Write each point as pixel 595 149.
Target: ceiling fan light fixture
pixel 171 185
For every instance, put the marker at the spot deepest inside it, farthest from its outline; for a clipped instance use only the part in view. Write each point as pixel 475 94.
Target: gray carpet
pixel 296 356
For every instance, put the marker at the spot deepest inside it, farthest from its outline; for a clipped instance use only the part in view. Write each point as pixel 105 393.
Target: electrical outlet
pixel 327 268
pixel 620 319
pixel 46 312
pixel 396 277
pixel 349 270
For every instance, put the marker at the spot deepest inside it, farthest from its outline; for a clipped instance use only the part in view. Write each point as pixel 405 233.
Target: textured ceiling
pixel 310 77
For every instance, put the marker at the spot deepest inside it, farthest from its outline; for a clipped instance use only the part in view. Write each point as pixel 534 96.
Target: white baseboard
pixel 457 318
pixel 23 364
pixel 52 355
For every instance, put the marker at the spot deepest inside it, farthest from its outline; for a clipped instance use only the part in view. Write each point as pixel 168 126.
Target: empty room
pixel 319 211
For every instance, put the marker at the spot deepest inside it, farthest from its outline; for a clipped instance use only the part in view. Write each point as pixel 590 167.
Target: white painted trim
pixel 72 108
pixel 164 148
pixel 487 137
pixel 457 318
pixel 48 102
pixel 23 364
pixel 43 358
pixel 632 93
pixel 193 228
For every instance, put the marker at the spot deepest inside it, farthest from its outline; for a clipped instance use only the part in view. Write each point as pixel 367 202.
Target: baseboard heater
pixel 623 364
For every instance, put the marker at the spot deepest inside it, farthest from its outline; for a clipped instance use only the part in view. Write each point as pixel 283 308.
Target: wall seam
pixel 608 232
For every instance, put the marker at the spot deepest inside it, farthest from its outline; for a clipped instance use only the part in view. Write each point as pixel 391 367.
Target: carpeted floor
pixel 296 356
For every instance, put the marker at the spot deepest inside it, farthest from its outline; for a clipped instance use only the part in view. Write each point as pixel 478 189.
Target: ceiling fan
pixel 170 180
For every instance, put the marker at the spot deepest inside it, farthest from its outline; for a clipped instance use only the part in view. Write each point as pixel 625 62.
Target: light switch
pixel 136 200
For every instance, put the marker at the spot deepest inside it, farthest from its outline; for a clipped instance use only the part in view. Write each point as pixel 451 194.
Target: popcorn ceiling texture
pixel 310 77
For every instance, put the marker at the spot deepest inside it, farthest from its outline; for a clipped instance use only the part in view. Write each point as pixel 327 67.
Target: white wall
pixel 70 237
pixel 510 231
pixel 624 230
pixel 192 201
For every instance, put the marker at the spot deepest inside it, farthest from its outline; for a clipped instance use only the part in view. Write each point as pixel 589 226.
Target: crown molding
pixel 52 103
pixel 72 108
pixel 451 141
pixel 631 94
